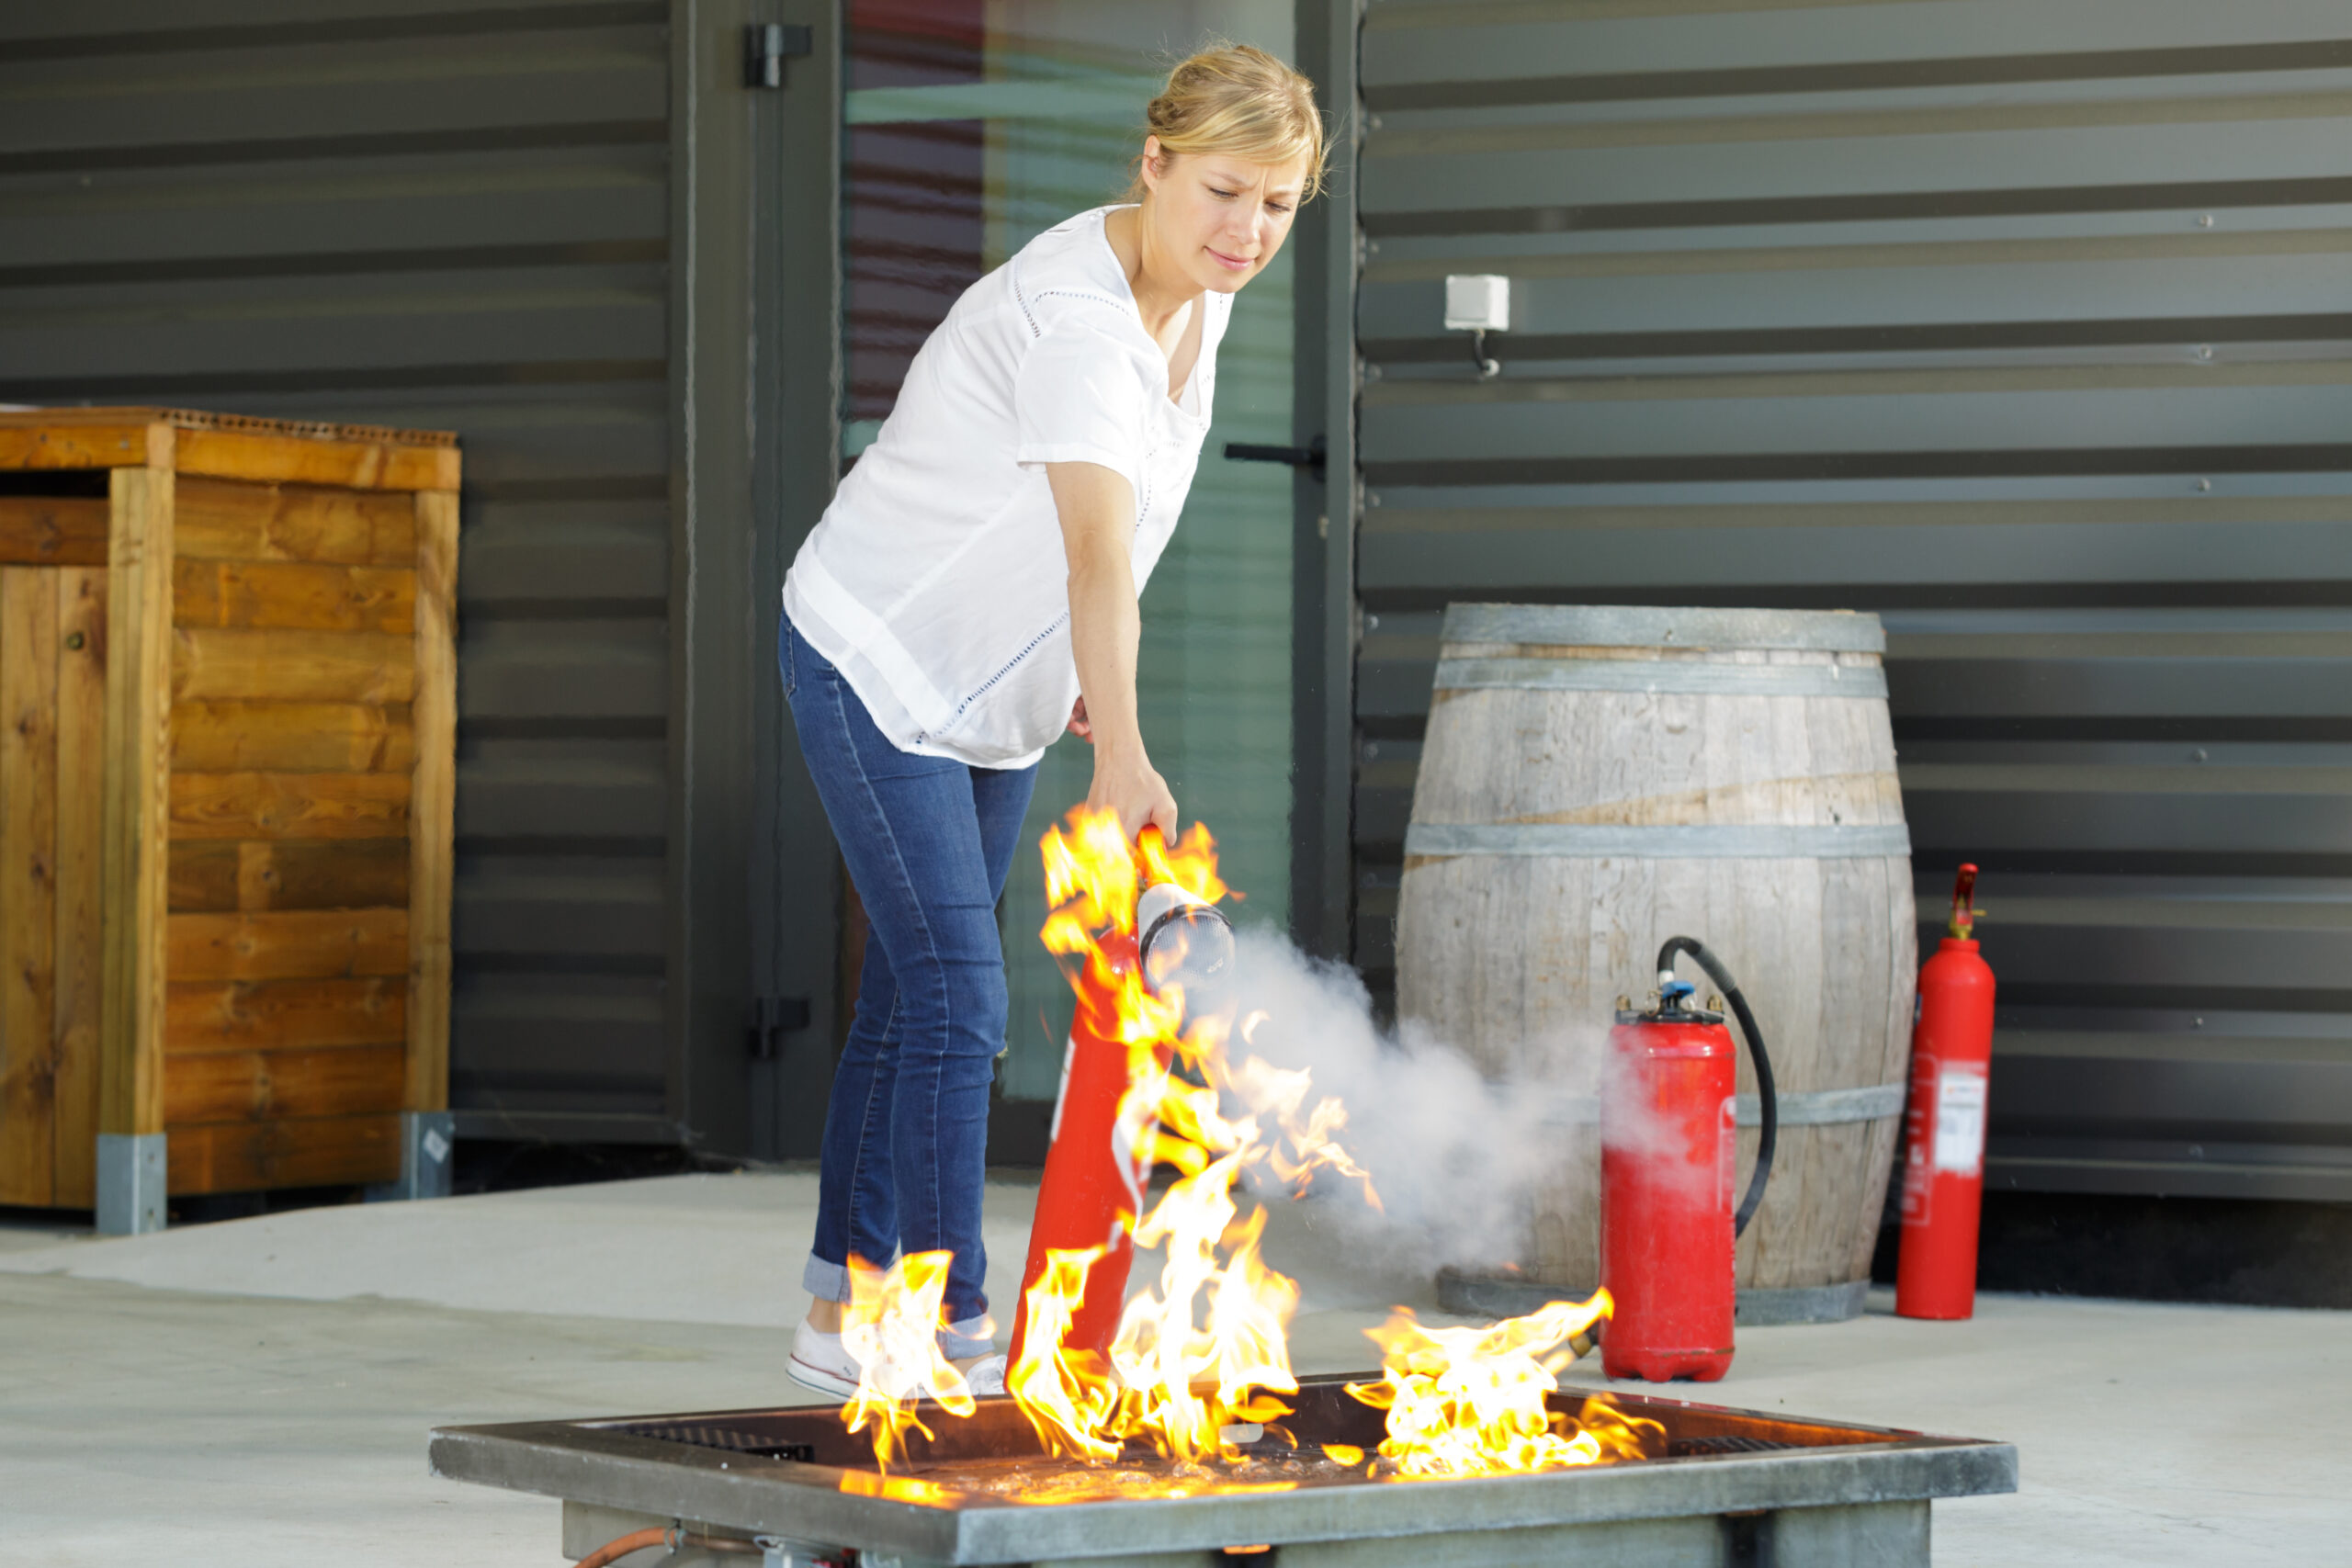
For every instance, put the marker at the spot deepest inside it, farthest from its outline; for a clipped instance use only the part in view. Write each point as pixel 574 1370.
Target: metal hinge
pixel 767 45
pixel 772 1016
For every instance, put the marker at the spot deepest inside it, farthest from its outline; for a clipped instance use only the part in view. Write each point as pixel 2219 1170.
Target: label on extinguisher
pixel 1960 1121
pixel 1069 1055
pixel 1918 1189
pixel 1918 1132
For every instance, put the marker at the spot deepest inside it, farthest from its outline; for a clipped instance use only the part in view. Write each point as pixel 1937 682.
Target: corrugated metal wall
pixel 422 213
pixel 2026 323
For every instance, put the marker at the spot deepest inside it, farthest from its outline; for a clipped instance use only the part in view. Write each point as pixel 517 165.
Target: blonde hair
pixel 1242 102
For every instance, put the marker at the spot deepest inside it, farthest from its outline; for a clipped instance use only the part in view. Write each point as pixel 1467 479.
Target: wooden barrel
pixel 1597 779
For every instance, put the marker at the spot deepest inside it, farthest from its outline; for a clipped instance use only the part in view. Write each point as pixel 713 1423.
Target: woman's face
pixel 1219 219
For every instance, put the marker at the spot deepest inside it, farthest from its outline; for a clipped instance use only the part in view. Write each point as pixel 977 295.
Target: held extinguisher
pixel 1943 1171
pixel 1091 1191
pixel 1667 1132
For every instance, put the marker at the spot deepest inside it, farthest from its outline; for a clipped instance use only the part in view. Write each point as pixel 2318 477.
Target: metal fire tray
pixel 1732 1488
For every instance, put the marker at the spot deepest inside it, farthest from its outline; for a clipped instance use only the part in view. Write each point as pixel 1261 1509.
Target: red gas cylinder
pixel 1944 1176
pixel 1666 1139
pixel 1666 1175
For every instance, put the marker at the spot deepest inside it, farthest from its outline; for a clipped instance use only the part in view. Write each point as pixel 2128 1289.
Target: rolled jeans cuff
pixel 826 1281
pixel 967 1338
pixel 972 1336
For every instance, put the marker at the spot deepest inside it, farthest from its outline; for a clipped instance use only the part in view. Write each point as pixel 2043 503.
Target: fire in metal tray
pixel 991 1455
pixel 1273 1461
pixel 1714 1486
pixel 1048 1480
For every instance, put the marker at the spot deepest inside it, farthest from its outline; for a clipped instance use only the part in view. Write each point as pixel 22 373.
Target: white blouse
pixel 937 581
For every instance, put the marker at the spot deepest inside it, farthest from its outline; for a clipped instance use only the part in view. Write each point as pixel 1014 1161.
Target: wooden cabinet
pixel 227 724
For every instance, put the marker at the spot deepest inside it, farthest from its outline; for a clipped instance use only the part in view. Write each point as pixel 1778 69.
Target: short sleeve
pixel 1080 398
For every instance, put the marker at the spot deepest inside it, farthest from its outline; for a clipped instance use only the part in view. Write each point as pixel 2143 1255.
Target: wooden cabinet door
pixel 52 730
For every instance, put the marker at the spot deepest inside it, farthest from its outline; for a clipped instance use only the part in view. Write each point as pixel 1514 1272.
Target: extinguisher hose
pixel 1769 1129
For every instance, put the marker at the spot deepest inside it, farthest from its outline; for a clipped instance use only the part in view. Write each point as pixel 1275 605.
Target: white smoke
pixel 1457 1159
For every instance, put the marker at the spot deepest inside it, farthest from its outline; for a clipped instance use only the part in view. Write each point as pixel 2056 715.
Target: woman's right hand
pixel 1125 782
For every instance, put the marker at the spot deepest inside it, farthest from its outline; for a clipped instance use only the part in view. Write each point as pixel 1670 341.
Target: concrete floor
pixel 257 1392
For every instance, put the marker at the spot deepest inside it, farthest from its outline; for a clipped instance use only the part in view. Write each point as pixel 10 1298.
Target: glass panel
pixel 971 127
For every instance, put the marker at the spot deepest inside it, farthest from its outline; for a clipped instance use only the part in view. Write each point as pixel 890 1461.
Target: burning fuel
pixel 1466 1401
pixel 1202 1357
pixel 891 1326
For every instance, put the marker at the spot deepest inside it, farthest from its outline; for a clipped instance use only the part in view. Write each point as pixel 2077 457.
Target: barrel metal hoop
pixel 1801 1303
pixel 1861 682
pixel 1819 1108
pixel 1644 625
pixel 1757 840
pixel 1479 1296
pixel 1827 1106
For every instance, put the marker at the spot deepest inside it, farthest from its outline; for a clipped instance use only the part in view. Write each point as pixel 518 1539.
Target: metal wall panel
pixel 2028 325
pixel 422 213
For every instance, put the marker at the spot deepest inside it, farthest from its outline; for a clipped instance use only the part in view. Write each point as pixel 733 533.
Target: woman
pixel 969 594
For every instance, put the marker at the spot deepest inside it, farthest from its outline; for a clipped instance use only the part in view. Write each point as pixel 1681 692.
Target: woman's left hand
pixel 1077 725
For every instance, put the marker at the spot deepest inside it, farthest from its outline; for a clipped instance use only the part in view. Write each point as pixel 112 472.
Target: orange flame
pixel 1190 1381
pixel 891 1326
pixel 1069 1397
pixel 1467 1402
pixel 899 1489
pixel 1306 1145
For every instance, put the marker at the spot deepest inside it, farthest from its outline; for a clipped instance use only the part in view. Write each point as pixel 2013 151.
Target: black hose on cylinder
pixel 1769 1129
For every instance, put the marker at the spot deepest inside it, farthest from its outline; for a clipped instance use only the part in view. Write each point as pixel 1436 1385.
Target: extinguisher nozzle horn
pixel 1963 906
pixel 1185 941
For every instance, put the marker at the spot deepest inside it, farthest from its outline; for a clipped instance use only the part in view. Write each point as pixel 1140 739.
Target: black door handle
pixel 1307 457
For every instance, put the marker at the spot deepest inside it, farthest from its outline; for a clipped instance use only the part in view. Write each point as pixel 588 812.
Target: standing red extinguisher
pixel 1092 1188
pixel 1943 1174
pixel 1667 1132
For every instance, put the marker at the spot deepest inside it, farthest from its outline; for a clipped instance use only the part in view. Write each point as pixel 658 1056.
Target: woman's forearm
pixel 1098 517
pixel 1105 630
pixel 1097 508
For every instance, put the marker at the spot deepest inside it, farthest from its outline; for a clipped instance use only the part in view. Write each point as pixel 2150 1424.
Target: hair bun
pixel 1242 102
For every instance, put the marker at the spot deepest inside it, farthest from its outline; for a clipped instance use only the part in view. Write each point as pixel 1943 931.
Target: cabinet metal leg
pixel 428 1144
pixel 132 1168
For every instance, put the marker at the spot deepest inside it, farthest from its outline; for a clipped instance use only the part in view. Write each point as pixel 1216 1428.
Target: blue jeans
pixel 928 841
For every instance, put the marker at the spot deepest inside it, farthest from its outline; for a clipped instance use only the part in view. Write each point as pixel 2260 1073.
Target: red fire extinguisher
pixel 1667 1132
pixel 1092 1187
pixel 1943 1173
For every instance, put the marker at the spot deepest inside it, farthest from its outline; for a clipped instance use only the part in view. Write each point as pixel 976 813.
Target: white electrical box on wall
pixel 1477 302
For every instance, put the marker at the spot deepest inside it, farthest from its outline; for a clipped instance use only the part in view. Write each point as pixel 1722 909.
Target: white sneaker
pixel 985 1378
pixel 820 1362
